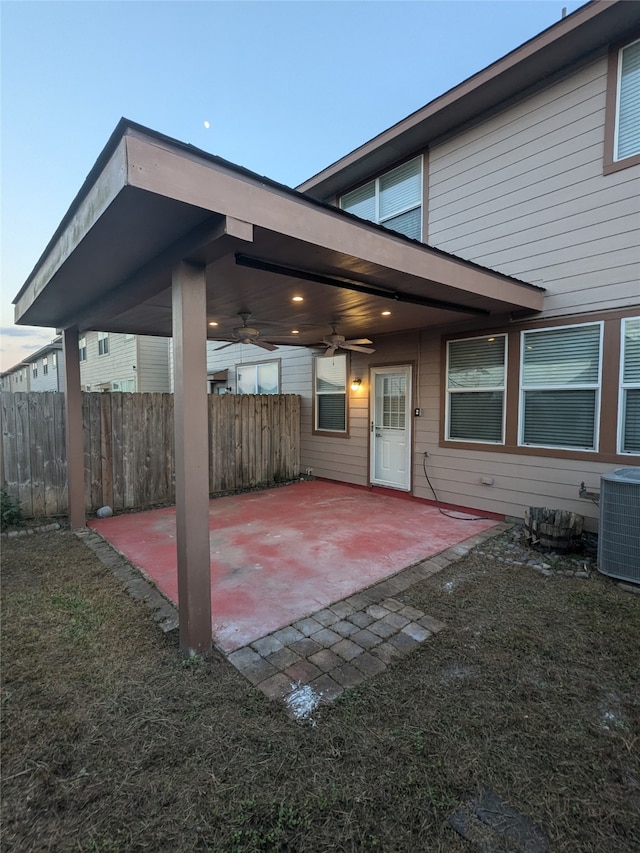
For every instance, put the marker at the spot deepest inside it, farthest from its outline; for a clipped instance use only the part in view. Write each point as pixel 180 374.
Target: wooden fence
pixel 128 447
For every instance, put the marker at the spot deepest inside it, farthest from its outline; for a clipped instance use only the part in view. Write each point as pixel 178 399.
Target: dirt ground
pixel 111 742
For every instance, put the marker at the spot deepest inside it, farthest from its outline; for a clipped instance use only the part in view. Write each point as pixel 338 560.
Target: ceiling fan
pixel 245 334
pixel 334 341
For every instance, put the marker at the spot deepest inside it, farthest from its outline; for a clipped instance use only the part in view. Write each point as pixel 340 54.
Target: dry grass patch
pixel 112 743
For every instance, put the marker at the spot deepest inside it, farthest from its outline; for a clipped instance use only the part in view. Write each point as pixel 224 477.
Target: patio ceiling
pixel 151 202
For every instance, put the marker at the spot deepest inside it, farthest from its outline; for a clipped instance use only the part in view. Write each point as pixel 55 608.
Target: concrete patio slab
pixel 280 555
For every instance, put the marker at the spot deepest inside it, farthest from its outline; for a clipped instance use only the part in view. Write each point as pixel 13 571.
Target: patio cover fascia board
pixel 139 158
pixel 534 64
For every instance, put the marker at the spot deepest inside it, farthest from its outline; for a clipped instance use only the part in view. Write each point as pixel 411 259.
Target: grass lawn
pixel 110 742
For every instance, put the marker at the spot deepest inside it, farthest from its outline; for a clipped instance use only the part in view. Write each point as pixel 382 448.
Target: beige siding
pixel 152 364
pixel 524 193
pixel 140 359
pixel 520 481
pixel 116 365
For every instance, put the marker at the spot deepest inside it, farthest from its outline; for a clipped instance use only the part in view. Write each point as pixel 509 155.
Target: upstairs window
pixel 330 384
pixel 82 349
pixel 45 366
pixel 393 200
pixel 629 419
pixel 54 360
pixel 34 370
pixel 627 132
pixel 476 389
pixel 560 387
pixel 261 378
pixel 103 343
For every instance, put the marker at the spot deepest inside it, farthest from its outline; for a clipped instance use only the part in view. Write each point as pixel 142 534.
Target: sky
pixel 281 88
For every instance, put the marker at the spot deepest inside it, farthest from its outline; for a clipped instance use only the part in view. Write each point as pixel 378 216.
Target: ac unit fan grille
pixel 619 535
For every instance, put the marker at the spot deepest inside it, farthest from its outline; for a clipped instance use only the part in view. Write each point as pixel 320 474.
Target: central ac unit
pixel 619 535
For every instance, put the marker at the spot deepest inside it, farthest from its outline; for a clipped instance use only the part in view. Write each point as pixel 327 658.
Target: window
pixel 54 360
pixel 393 200
pixel 34 370
pixel 82 348
pixel 103 343
pixel 630 387
pixel 331 393
pixel 560 387
pixel 128 385
pixel 262 378
pixel 476 389
pixel 45 366
pixel 627 132
pixel 622 117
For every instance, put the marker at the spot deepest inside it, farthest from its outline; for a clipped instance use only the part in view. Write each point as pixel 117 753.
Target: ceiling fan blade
pixel 264 345
pixel 225 346
pixel 330 351
pixel 355 348
pixel 359 341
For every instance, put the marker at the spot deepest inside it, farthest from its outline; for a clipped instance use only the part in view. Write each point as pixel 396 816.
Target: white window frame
pixel 82 349
pixel 45 366
pixel 54 360
pixel 480 389
pixel 624 387
pixel 617 158
pixel 34 370
pixel 316 408
pixel 376 184
pixel 257 365
pixel 597 387
pixel 103 343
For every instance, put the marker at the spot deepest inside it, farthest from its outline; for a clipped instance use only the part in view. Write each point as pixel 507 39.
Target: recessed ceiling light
pixel 491 340
pixel 295 332
pixel 213 323
pixel 297 299
pixel 386 313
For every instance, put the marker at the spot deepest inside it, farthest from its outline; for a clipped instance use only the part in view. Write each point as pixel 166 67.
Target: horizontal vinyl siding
pixel 524 194
pixel 152 367
pixel 48 382
pixel 117 364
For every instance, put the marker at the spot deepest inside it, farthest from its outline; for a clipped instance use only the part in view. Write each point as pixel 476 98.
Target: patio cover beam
pixel 191 457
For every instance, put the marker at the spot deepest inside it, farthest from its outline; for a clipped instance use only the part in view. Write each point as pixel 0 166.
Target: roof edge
pixel 561 29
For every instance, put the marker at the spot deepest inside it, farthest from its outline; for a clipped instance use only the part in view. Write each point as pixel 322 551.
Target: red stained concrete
pixel 279 555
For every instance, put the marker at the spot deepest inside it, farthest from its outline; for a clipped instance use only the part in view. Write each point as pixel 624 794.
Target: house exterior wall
pixel 522 192
pixel 18 379
pixel 53 380
pixel 152 364
pixel 139 361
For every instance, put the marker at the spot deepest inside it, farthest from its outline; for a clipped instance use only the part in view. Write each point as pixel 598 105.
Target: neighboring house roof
pixel 534 64
pixel 54 346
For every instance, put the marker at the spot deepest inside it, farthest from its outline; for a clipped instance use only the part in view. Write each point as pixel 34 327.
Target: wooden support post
pixel 191 457
pixel 74 438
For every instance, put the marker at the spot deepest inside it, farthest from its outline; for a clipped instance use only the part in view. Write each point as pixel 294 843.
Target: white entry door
pixel 391 427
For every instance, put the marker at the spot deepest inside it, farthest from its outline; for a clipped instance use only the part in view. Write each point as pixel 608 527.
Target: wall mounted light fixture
pixel 355 384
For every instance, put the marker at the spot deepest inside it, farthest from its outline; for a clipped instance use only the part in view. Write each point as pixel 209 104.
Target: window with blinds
pixel 476 389
pixel 627 133
pixel 393 200
pixel 331 393
pixel 560 387
pixel 630 387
